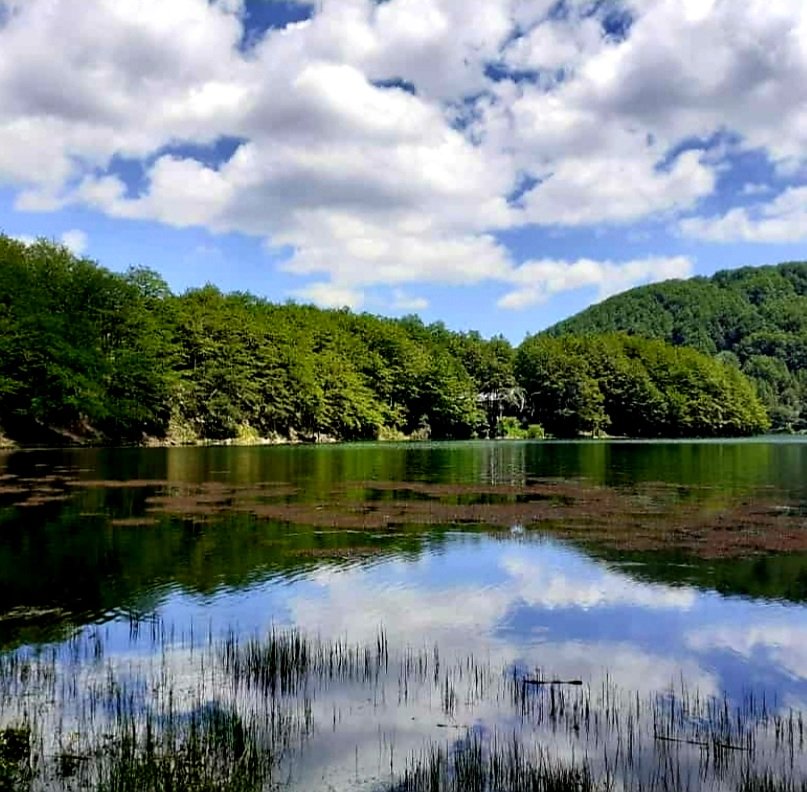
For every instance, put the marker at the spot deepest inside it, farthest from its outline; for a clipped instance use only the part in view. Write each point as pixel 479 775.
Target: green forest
pixel 92 356
pixel 753 319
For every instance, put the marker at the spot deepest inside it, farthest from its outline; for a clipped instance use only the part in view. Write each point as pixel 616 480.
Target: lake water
pixel 665 580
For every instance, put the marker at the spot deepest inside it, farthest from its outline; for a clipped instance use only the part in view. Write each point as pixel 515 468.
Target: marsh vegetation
pixel 232 713
pixel 438 617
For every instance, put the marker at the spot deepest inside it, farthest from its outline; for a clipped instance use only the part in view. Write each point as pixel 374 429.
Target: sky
pixel 497 165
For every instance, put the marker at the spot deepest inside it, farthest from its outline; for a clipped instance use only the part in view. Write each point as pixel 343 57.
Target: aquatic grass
pixel 474 765
pixel 15 757
pixel 211 749
pixel 282 663
pixel 769 783
pixel 204 712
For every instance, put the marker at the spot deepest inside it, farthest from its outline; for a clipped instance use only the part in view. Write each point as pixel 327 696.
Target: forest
pixel 753 319
pixel 88 355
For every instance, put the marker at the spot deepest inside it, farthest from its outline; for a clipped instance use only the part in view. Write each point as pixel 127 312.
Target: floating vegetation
pixel 200 713
pixel 647 516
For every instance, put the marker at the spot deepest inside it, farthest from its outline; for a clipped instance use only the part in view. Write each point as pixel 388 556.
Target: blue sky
pixel 497 166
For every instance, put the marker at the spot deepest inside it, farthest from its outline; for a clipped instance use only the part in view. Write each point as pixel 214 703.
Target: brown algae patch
pixel 215 498
pixel 134 522
pixel 120 484
pixel 648 516
pixel 23 614
pixel 41 499
pixel 11 489
pixel 338 553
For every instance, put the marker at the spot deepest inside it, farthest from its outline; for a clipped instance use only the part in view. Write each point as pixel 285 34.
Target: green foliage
pixel 88 354
pixel 511 429
pixel 562 394
pixel 583 385
pixel 81 349
pixel 15 753
pixel 535 432
pixel 755 318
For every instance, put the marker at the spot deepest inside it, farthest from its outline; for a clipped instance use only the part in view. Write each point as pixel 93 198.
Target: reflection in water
pixel 727 464
pixel 324 710
pixel 142 579
pixel 533 607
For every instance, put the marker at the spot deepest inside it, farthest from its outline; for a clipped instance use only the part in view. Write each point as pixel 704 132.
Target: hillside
pixel 89 355
pixel 754 318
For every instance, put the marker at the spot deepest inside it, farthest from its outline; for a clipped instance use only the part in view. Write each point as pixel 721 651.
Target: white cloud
pixel 546 586
pixel 781 643
pixel 401 301
pixel 75 241
pixel 738 67
pixel 330 296
pixel 81 83
pixel 557 44
pixel 537 281
pixel 374 185
pixel 591 190
pixel 782 220
pixel 543 578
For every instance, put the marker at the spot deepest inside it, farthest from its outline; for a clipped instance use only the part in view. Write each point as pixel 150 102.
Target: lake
pixel 374 616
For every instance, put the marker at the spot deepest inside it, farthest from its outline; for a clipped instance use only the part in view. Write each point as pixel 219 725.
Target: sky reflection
pixel 518 602
pixel 535 602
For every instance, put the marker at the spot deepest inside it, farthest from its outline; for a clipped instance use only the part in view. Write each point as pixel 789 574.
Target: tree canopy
pixel 634 387
pixel 89 354
pixel 754 318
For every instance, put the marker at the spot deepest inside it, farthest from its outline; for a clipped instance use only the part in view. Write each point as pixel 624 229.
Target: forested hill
pixel 88 355
pixel 754 318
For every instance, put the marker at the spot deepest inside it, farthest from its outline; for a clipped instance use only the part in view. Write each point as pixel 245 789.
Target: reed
pixel 201 713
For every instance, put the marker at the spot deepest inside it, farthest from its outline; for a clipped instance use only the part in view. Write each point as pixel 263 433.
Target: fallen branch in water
pixel 700 743
pixel 574 682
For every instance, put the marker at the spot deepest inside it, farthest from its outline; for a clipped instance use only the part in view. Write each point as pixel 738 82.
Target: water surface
pixel 634 567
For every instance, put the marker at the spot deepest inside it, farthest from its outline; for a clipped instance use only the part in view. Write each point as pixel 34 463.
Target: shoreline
pixel 10 446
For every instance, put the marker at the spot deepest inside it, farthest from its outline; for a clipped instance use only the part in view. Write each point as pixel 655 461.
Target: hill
pixel 754 318
pixel 90 355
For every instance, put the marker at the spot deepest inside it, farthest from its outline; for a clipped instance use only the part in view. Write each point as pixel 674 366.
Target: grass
pixel 475 765
pixel 228 714
pixel 472 765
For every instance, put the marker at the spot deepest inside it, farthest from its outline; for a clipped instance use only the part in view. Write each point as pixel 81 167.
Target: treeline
pixel 632 386
pixel 754 319
pixel 88 354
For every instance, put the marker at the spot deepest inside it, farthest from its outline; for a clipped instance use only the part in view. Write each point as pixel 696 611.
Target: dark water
pixel 341 542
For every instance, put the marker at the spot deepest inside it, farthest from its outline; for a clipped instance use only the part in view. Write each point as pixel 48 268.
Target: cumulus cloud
pixel 782 643
pixel 75 241
pixel 402 301
pixel 384 143
pixel 330 296
pixel 546 586
pixel 782 220
pixel 537 281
